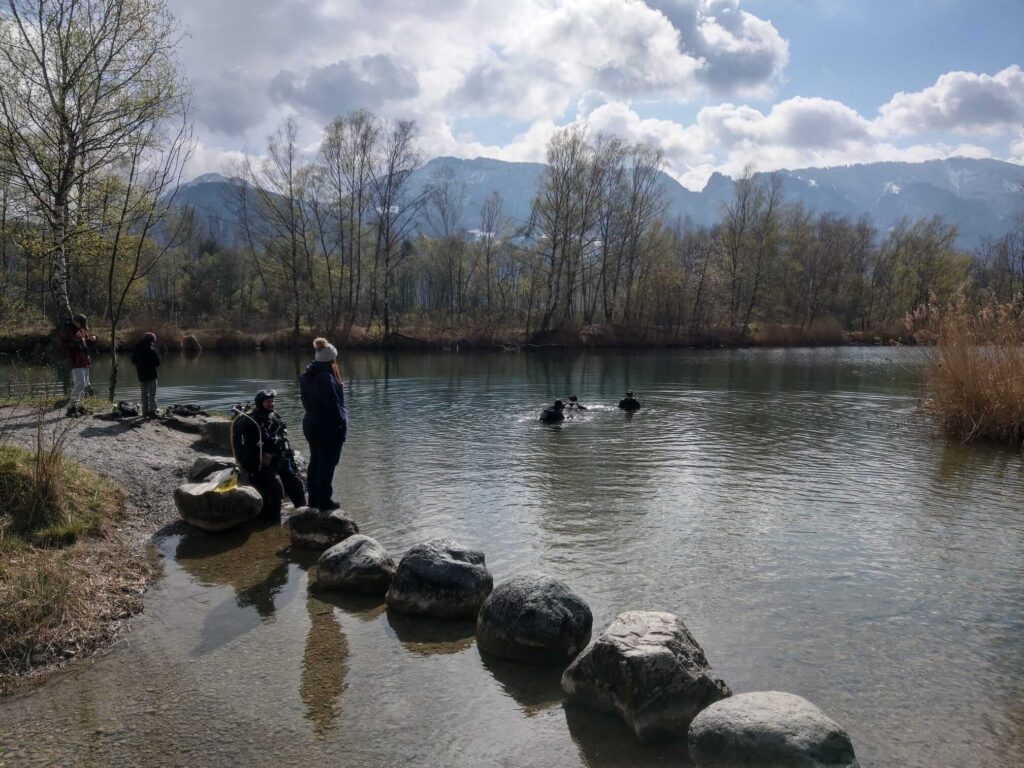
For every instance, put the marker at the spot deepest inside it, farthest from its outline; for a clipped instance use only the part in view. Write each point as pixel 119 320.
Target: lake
pixel 796 508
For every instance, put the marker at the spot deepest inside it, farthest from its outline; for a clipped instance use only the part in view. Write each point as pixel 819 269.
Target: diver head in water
pixel 574 404
pixel 554 413
pixel 629 402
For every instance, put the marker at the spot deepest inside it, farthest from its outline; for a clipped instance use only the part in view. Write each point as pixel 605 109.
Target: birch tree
pixel 79 80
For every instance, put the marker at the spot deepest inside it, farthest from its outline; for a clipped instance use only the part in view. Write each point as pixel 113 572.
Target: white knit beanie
pixel 325 351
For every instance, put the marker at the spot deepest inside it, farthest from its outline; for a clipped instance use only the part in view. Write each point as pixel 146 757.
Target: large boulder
pixel 440 578
pixel 204 466
pixel 316 529
pixel 534 618
pixel 647 668
pixel 768 729
pixel 217 433
pixel 357 564
pixel 218 503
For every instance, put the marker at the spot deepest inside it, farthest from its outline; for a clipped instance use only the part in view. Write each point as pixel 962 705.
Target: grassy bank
pixel 976 375
pixel 66 577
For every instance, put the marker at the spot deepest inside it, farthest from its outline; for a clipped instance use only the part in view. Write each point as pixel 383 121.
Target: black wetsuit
pixel 259 432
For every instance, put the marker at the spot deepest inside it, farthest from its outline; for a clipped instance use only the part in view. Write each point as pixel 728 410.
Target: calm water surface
pixel 794 507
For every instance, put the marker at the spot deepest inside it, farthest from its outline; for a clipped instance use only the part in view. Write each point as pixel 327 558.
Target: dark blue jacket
pixel 323 397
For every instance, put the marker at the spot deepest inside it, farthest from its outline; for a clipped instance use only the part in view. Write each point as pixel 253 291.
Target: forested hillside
pixel 365 239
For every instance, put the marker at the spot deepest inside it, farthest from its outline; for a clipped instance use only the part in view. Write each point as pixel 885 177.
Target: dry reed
pixel 976 374
pixel 66 578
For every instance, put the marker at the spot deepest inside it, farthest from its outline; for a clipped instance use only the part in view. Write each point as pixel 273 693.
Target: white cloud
pixel 959 101
pixel 799 122
pixel 206 159
pixel 740 53
pixel 524 59
pixel 795 133
pixel 345 86
pixel 548 62
pixel 1017 151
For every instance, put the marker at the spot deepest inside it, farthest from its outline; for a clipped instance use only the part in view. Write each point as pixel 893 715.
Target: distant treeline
pixel 343 242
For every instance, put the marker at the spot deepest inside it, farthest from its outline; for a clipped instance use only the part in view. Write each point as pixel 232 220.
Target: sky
pixel 716 84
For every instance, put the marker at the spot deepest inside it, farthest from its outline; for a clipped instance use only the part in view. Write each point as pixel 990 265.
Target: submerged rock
pixel 768 729
pixel 440 578
pixel 204 466
pixel 190 345
pixel 217 504
pixel 316 529
pixel 534 618
pixel 647 668
pixel 357 564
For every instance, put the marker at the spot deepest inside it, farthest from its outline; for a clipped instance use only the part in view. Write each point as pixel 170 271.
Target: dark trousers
pixel 324 456
pixel 273 484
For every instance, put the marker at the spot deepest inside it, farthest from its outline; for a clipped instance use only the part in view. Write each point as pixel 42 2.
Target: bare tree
pixel 277 187
pixel 445 201
pixel 347 156
pixel 397 209
pixel 140 223
pixel 491 224
pixel 80 81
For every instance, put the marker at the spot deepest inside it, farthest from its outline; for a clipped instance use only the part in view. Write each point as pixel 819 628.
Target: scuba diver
pixel 629 402
pixel 554 414
pixel 260 443
pixel 574 404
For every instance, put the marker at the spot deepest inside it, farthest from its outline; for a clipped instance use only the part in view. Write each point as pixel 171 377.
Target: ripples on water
pixel 795 508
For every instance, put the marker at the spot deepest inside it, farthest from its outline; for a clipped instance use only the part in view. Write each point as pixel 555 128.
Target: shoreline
pixel 36 343
pixel 146 460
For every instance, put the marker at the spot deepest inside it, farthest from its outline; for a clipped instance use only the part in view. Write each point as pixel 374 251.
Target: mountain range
pixel 982 197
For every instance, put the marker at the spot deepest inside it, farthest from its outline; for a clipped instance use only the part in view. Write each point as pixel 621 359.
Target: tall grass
pixel 65 576
pixel 58 604
pixel 976 374
pixel 34 484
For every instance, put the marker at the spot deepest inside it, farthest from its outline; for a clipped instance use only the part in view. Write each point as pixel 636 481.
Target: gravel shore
pixel 147 458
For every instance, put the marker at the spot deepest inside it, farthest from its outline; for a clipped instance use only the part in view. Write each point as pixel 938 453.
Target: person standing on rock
pixel 75 341
pixel 146 361
pixel 325 423
pixel 260 442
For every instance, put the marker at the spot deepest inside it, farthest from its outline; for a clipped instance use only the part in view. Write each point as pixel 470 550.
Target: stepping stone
pixel 647 668
pixel 440 578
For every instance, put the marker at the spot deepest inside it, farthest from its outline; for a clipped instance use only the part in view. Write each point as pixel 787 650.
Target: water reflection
pixel 249 560
pixel 533 688
pixel 324 666
pixel 425 636
pixel 366 608
pixel 604 741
